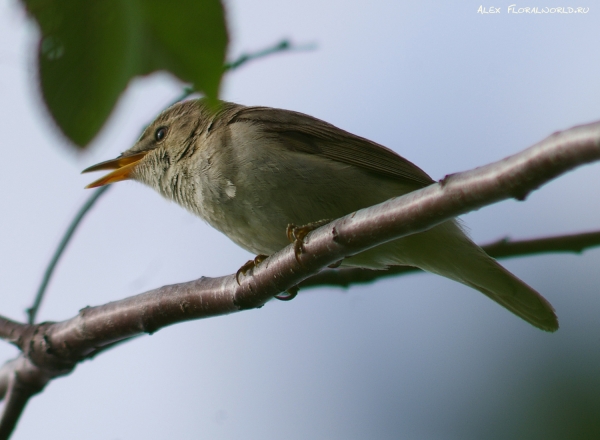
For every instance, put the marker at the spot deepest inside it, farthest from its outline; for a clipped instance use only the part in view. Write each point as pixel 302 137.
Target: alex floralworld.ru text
pixel 514 9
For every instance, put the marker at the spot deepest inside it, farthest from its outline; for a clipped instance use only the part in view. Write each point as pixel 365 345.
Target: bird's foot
pixel 296 235
pixel 249 265
pixel 288 295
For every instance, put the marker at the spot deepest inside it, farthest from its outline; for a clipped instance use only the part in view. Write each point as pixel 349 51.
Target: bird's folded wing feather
pixel 303 133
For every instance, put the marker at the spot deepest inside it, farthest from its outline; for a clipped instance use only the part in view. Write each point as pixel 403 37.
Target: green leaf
pixel 89 50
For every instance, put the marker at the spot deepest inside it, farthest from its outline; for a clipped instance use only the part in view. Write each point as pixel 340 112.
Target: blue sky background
pixel 417 357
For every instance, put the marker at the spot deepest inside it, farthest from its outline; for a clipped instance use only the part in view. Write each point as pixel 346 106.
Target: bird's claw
pixel 249 265
pixel 296 234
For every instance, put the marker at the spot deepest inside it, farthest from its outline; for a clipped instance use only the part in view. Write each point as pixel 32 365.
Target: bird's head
pixel 164 143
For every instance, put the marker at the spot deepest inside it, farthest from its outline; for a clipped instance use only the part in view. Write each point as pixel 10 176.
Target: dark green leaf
pixel 90 50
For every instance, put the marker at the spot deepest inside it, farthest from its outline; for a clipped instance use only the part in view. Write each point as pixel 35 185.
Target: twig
pixel 15 401
pixel 574 243
pixel 20 379
pixel 10 331
pixel 282 46
pixel 32 311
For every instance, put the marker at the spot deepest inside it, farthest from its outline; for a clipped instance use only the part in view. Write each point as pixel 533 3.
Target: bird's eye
pixel 160 133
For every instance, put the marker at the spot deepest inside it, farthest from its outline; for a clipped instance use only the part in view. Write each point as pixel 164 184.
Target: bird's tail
pixel 445 250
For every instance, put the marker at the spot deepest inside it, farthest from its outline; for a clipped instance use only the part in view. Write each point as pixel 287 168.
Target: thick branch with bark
pixel 53 349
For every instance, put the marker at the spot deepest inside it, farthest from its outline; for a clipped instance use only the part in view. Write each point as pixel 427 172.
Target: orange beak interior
pixel 122 166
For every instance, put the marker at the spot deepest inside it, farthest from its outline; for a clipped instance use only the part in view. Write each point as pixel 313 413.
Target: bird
pixel 250 172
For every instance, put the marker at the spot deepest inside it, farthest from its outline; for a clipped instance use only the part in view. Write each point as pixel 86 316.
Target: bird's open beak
pixel 122 166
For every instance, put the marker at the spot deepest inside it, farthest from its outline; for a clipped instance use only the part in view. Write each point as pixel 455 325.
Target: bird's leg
pixel 296 235
pixel 249 265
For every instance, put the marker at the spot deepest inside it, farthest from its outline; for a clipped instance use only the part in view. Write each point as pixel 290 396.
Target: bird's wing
pixel 303 133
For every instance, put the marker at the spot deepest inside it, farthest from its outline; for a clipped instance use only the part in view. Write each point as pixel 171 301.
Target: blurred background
pixel 416 357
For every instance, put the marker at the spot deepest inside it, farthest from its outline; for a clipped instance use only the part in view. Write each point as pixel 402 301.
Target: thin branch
pixel 573 243
pixel 32 311
pixel 20 379
pixel 13 407
pixel 11 331
pixel 505 248
pixel 16 399
pixel 282 46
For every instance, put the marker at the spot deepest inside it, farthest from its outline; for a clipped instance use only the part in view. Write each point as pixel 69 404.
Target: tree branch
pixel 17 392
pixel 53 349
pixel 574 243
